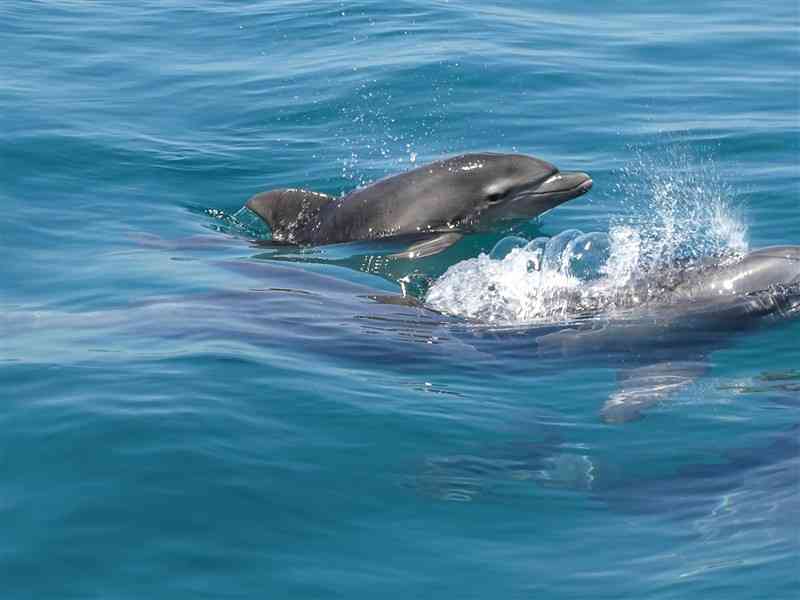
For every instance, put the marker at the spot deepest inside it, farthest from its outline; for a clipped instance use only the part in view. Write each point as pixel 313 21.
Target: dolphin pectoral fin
pixel 643 387
pixel 429 246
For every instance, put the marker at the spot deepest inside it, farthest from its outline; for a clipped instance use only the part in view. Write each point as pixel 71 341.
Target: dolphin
pixel 663 342
pixel 657 332
pixel 431 206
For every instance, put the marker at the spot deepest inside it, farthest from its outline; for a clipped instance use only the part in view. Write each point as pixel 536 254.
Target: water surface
pixel 213 420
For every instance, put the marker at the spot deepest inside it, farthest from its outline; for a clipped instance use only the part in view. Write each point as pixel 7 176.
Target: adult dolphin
pixel 431 206
pixel 657 332
pixel 664 342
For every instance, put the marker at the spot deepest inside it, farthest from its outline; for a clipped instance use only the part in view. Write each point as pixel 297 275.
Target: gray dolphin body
pixel 432 205
pixel 659 332
pixel 668 337
pixel 712 296
pixel 760 269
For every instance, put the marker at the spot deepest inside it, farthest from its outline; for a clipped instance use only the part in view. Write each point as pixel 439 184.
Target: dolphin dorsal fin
pixel 287 211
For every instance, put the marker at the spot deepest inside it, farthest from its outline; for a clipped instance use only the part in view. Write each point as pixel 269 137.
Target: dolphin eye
pixel 494 198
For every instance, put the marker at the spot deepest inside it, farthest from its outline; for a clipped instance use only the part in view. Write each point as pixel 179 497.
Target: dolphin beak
pixel 568 184
pixel 555 190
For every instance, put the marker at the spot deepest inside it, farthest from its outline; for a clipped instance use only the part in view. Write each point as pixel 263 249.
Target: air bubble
pixel 504 247
pixel 535 249
pixel 586 256
pixel 554 251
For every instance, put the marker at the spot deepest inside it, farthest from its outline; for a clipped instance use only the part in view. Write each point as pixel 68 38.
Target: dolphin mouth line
pixel 582 187
pixel 578 189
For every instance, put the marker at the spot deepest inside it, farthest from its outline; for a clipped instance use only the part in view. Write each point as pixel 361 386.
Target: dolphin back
pixel 427 199
pixel 759 270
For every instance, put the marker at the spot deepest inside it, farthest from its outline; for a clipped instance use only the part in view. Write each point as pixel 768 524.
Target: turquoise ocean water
pixel 186 415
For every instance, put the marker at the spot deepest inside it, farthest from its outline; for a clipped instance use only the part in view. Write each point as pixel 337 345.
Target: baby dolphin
pixel 431 206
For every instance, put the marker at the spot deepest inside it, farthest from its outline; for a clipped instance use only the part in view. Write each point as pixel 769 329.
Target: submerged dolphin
pixel 432 206
pixel 657 331
pixel 687 315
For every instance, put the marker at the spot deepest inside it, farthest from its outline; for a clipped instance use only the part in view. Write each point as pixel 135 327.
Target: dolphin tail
pixel 287 211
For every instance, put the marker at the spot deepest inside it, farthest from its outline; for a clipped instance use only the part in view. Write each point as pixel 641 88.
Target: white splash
pixel 680 207
pixel 545 278
pixel 677 212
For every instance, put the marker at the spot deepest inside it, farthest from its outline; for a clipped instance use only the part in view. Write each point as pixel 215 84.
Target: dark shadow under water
pixel 656 353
